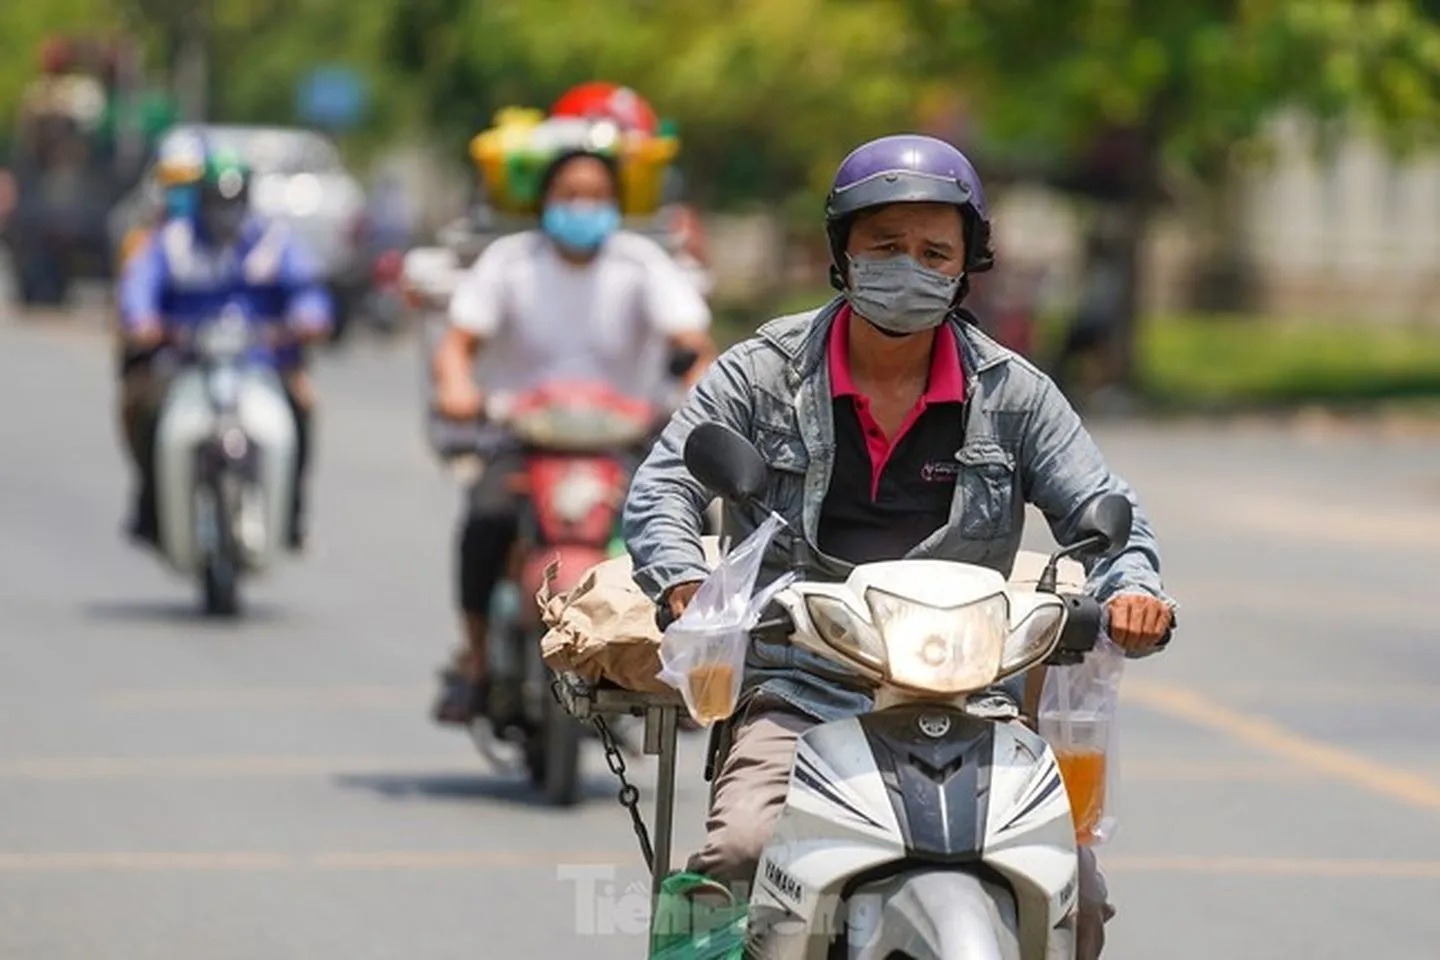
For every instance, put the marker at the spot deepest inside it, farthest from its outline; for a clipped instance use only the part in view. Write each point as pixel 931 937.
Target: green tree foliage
pixel 25 26
pixel 1186 83
pixel 770 94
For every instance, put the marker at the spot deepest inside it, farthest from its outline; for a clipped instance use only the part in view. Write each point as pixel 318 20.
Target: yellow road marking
pixel 397 696
pixel 1329 693
pixel 1265 734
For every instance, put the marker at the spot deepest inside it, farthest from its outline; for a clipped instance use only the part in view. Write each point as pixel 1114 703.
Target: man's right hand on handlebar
pixel 678 597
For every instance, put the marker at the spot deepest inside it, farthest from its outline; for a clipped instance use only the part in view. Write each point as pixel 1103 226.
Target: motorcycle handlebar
pixel 181 338
pixel 1082 627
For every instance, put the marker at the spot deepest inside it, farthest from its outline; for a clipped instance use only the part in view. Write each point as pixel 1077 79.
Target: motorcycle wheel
pixel 560 735
pixel 220 585
pixel 220 576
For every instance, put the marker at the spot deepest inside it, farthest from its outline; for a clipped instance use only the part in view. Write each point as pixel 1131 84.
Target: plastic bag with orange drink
pixel 702 654
pixel 1078 719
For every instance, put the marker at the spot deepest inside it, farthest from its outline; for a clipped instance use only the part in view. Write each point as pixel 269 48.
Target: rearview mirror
pixel 725 463
pixel 1106 522
pixel 1103 529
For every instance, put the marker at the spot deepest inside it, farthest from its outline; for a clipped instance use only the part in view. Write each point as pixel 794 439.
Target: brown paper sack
pixel 604 628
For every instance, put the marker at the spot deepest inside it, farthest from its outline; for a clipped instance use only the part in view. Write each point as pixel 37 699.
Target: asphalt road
pixel 275 789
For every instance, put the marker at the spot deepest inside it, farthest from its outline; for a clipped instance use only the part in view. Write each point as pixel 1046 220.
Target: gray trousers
pixel 749 792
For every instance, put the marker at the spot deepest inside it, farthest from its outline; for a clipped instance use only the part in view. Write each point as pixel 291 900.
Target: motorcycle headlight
pixel 579 492
pixel 1033 637
pixel 944 650
pixel 847 632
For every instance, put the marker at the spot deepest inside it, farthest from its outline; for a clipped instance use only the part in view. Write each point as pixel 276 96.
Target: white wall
pixel 1355 234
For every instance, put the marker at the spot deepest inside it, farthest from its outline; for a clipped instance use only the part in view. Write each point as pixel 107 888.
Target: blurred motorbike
pixel 385 305
pixel 224 461
pixel 580 442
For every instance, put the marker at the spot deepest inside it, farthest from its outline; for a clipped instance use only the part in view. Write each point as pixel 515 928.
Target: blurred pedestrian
pixel 1091 332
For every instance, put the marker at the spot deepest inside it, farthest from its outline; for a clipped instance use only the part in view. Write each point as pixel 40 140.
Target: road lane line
pixel 1328 693
pixel 255 698
pixel 1265 734
pixel 90 769
pixel 151 861
pixel 120 768
pixel 161 700
pixel 435 860
pixel 1275 867
pixel 466 860
pixel 273 861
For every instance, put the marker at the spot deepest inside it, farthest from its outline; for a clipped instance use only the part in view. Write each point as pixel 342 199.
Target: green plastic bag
pixel 684 930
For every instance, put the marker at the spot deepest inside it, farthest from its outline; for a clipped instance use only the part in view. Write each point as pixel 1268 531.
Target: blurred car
pixel 300 180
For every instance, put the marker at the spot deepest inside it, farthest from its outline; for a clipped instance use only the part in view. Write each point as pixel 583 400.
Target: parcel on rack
pixel 604 628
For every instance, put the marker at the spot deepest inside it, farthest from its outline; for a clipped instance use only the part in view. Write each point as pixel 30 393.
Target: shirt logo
pixel 940 471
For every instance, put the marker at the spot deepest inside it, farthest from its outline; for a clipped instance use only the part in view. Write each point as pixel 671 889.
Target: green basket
pixel 684 930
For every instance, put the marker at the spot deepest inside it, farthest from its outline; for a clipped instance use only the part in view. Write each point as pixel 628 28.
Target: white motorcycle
pixel 936 827
pixel 224 463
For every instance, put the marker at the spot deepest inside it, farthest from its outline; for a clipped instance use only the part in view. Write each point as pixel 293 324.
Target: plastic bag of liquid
pixel 702 654
pixel 1078 719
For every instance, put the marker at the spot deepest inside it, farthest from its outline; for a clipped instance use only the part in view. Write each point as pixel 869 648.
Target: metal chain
pixel 629 795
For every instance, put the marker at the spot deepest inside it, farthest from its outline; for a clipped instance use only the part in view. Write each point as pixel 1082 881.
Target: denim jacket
pixel 1022 443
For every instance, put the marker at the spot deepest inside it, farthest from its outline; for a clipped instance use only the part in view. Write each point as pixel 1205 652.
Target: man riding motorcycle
pixel 892 427
pixel 578 299
pixel 189 270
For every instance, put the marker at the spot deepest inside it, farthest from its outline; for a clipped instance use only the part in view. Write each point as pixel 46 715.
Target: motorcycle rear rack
pixel 661 712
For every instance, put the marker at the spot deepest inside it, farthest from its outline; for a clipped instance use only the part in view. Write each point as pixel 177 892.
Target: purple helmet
pixel 908 168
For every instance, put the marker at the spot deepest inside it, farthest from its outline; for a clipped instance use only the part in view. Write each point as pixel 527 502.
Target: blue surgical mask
pixel 581 227
pixel 181 201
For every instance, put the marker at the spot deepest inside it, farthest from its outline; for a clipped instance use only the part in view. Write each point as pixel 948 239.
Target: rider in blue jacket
pixel 187 272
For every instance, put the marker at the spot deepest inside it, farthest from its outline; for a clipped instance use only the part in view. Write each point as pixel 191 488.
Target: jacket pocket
pixel 986 504
pixel 785 456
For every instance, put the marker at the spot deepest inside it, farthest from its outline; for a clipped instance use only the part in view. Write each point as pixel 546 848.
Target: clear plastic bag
pixel 1078 719
pixel 702 654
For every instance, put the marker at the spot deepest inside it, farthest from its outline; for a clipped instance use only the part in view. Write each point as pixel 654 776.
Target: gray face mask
pixel 899 295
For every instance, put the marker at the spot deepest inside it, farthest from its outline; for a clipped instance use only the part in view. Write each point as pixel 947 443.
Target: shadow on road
pixel 448 786
pixel 176 611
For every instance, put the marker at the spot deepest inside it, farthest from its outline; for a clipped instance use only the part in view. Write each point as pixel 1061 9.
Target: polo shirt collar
pixel 946 383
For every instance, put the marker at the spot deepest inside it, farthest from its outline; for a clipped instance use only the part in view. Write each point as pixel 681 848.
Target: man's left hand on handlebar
pixel 145 336
pixel 459 400
pixel 1138 622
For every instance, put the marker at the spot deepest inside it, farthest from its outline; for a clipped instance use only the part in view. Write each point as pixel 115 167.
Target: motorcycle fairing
pixel 847 819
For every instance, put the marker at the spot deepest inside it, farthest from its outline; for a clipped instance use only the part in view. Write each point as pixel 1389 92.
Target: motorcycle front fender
pixel 933 914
